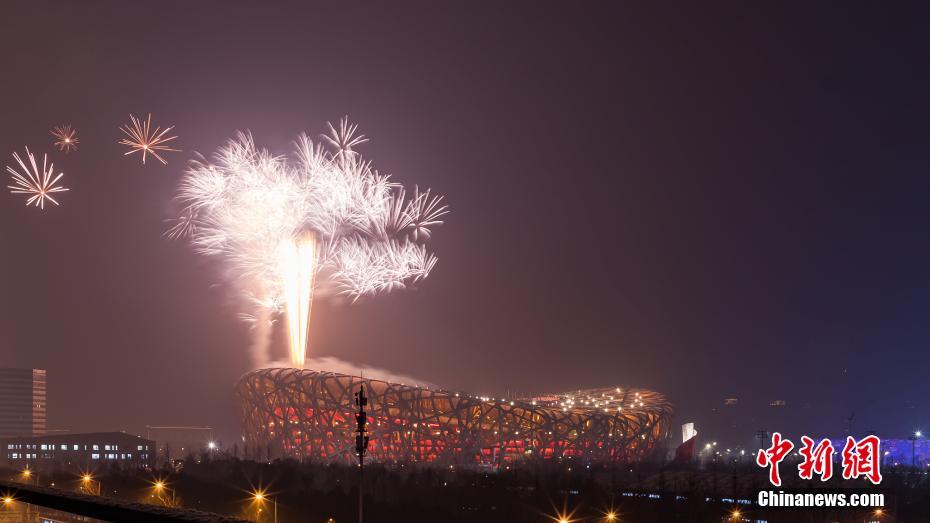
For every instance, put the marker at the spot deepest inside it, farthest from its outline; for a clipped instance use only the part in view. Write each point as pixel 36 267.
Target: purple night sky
pixel 708 203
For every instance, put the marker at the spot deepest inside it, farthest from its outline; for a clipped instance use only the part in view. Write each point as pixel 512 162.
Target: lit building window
pixel 95 456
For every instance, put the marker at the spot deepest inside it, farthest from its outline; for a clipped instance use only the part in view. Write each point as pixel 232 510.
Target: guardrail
pixel 107 509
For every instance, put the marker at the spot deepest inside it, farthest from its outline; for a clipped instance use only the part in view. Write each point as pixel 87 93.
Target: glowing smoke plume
pixel 291 228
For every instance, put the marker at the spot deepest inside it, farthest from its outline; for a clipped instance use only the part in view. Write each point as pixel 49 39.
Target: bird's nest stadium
pixel 308 414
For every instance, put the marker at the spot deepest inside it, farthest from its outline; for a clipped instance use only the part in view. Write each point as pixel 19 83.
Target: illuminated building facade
pixel 78 452
pixel 310 415
pixel 22 402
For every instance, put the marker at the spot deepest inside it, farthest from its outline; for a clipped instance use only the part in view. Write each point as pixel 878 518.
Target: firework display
pixel 141 138
pixel 309 414
pixel 66 139
pixel 38 184
pixel 289 228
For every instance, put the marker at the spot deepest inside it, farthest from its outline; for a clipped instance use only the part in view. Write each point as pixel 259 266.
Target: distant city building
pixel 777 403
pixel 78 452
pixel 730 401
pixel 901 452
pixel 180 442
pixel 22 402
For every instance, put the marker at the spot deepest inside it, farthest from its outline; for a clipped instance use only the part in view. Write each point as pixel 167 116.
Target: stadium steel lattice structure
pixel 308 414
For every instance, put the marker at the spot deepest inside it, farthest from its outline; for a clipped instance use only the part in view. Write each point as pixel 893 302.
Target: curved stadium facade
pixel 310 415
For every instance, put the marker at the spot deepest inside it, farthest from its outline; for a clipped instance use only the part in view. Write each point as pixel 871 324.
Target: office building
pixel 78 452
pixel 22 402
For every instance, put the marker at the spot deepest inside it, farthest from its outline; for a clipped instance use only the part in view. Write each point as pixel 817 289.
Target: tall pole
pixel 361 442
pixel 914 450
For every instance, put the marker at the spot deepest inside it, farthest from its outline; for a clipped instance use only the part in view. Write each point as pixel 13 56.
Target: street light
pixel 27 474
pixel 913 439
pixel 87 484
pixel 162 493
pixel 259 496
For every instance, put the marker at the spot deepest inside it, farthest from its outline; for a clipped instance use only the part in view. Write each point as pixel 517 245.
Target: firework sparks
pixel 38 184
pixel 141 137
pixel 182 226
pixel 66 139
pixel 293 228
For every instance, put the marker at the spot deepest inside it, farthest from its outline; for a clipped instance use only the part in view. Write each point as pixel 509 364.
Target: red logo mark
pixel 862 459
pixel 817 460
pixel 774 455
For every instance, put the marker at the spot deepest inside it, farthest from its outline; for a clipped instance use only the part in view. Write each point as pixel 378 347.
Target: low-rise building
pixel 79 452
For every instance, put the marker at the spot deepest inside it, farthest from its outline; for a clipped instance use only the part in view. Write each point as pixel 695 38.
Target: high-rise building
pixel 22 402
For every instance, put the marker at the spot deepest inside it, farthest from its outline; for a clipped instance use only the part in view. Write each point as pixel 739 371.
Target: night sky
pixel 714 201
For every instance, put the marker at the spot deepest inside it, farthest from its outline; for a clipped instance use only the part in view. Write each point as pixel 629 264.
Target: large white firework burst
pixel 324 218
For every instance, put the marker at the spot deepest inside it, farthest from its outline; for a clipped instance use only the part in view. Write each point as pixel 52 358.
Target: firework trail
pixel 65 138
pixel 38 184
pixel 141 137
pixel 290 228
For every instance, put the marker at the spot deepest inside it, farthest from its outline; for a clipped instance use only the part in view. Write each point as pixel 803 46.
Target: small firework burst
pixel 141 137
pixel 37 184
pixel 66 138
